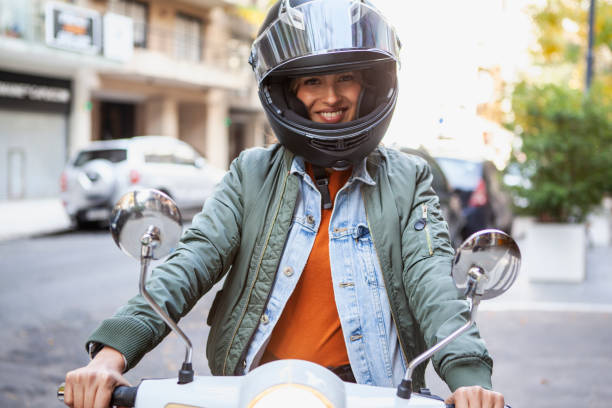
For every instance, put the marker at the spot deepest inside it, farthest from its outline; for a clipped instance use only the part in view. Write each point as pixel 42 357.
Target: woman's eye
pixel 311 81
pixel 347 77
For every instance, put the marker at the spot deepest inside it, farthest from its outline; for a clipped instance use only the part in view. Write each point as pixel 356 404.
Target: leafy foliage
pixel 562 40
pixel 562 24
pixel 566 151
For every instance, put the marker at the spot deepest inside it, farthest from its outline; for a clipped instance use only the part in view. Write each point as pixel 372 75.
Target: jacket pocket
pixel 418 236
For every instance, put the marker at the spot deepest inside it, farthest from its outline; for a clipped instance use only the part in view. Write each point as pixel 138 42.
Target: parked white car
pixel 97 176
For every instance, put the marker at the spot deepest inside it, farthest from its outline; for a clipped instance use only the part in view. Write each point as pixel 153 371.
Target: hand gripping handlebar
pixel 123 396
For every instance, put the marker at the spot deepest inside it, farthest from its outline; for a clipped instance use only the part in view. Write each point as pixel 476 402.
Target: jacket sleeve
pixel 206 251
pixel 433 298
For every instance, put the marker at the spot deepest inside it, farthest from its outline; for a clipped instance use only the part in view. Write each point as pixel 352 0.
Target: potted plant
pixel 565 159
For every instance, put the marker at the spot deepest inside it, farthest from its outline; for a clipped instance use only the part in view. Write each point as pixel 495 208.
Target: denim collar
pixel 360 172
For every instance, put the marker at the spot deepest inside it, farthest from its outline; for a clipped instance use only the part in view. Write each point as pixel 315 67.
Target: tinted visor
pixel 322 28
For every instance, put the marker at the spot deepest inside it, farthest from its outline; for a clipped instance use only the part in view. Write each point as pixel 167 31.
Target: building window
pixel 13 18
pixel 138 11
pixel 188 37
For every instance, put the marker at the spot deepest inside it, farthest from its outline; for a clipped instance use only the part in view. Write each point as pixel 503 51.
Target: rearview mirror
pixel 146 225
pixel 485 266
pixel 495 254
pixel 143 211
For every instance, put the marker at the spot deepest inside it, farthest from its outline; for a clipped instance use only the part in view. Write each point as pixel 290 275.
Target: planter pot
pixel 556 252
pixel 599 224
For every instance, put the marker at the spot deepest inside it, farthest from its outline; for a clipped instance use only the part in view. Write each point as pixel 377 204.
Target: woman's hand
pixel 475 397
pixel 92 386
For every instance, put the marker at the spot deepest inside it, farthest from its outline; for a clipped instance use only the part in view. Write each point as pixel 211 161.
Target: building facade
pixel 73 72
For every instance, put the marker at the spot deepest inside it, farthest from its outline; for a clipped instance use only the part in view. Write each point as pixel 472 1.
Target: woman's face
pixel 330 98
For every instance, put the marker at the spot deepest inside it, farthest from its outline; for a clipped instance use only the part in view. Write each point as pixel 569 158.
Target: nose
pixel 331 95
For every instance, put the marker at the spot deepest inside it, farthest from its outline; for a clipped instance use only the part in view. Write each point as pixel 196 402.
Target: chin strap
pixel 322 183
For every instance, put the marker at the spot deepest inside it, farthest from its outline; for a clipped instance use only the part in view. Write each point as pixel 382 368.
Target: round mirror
pixel 497 256
pixel 136 212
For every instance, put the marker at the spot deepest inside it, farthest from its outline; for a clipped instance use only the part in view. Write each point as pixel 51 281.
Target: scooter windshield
pixel 322 27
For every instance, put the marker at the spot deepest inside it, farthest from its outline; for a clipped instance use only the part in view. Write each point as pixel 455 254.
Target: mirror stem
pixel 149 241
pixel 404 390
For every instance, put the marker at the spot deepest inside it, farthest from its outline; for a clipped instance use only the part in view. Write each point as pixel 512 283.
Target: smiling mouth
pixel 333 117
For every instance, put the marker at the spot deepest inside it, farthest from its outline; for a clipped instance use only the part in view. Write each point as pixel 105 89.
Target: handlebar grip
pixel 453 406
pixel 124 396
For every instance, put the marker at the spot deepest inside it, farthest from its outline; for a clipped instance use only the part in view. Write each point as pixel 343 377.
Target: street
pixel 57 288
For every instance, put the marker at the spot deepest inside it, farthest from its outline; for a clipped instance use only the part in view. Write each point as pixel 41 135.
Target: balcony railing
pixel 28 24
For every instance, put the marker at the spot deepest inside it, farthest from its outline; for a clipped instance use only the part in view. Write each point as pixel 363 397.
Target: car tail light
pixel 63 183
pixel 134 176
pixel 479 196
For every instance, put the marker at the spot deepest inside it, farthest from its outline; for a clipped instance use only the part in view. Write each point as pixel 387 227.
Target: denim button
pixel 265 319
pixel 310 219
pixel 288 271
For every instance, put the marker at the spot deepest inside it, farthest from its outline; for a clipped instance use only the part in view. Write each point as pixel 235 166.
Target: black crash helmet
pixel 318 37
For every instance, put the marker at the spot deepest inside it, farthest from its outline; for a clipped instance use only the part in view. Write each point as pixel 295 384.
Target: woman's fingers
pixel 475 397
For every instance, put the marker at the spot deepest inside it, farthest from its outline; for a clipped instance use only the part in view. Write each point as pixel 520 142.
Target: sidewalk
pixel 27 218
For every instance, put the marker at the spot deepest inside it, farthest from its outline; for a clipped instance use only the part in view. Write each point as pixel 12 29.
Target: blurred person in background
pixel 333 248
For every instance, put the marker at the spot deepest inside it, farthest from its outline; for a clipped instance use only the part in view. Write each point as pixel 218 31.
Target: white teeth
pixel 332 115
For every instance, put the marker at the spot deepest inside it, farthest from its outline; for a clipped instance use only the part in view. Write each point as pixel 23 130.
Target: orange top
pixel 309 327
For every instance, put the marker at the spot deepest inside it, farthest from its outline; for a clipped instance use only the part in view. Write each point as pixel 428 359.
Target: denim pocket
pixel 365 253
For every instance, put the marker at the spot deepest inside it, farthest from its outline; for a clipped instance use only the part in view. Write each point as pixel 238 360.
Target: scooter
pixel 146 225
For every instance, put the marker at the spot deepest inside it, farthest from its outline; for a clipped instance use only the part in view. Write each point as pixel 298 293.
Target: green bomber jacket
pixel 240 235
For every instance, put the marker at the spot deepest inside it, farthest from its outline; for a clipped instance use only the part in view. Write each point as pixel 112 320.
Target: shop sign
pixel 118 37
pixel 27 91
pixel 73 28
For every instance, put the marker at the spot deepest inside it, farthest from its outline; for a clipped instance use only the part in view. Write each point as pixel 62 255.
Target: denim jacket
pixel 359 289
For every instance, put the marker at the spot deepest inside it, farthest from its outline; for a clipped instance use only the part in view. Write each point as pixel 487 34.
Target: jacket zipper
pixel 399 337
pixel 229 347
pixel 424 207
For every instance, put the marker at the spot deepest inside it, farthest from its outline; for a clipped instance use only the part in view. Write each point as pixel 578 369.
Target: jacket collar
pixel 360 171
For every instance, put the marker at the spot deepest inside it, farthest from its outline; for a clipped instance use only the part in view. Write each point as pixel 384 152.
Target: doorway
pixel 237 139
pixel 116 120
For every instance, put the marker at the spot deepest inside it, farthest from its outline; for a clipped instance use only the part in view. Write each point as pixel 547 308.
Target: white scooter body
pixel 295 382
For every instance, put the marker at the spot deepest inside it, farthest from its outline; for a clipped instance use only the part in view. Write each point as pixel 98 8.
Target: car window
pixel 185 155
pixel 170 154
pixel 112 155
pixel 159 158
pixel 461 174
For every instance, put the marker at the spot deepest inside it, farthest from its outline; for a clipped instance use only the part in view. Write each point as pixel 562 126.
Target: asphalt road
pixel 56 289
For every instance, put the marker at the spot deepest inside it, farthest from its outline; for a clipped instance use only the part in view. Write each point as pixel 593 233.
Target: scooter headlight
pixel 294 395
pixel 294 384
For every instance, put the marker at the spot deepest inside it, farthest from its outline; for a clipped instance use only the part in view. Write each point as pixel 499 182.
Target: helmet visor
pixel 322 27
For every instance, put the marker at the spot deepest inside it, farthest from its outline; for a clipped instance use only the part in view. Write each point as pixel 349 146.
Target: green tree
pixel 566 150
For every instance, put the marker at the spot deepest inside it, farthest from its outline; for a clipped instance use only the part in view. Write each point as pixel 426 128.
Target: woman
pixel 318 237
